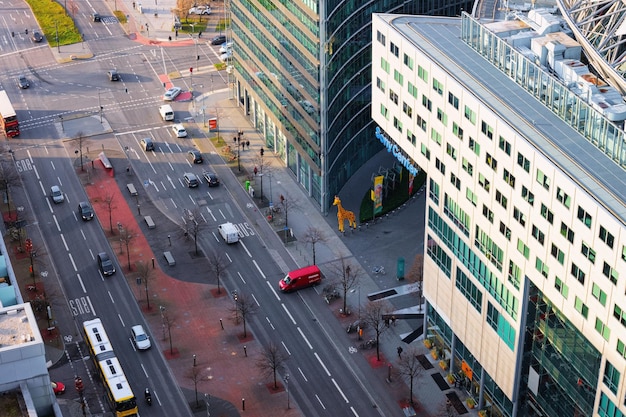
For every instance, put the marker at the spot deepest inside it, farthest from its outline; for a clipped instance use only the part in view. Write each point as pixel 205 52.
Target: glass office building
pixel 302 73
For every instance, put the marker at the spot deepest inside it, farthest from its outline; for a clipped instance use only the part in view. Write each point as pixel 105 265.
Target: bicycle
pixel 368 344
pixel 379 270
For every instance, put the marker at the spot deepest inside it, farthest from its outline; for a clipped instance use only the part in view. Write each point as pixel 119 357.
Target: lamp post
pixel 237 140
pixel 56 27
pixel 100 106
pixel 287 384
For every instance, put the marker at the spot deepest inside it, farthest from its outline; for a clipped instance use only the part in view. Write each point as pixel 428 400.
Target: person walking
pixel 400 351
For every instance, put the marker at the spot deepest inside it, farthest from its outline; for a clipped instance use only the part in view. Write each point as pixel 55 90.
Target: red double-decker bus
pixel 8 119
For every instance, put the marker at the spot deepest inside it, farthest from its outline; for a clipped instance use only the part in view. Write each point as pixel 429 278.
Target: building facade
pixel 302 72
pixel 525 236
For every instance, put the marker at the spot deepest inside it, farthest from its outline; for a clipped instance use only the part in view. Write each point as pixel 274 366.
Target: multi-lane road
pixel 325 376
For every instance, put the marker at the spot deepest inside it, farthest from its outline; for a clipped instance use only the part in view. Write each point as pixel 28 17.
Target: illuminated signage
pixel 396 151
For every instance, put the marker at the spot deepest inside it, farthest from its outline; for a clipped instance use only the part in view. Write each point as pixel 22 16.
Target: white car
pixel 226 56
pixel 172 93
pixel 56 194
pixel 140 337
pixel 200 10
pixel 179 131
pixel 226 47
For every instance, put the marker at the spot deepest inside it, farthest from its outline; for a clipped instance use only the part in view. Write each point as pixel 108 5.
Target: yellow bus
pixel 120 395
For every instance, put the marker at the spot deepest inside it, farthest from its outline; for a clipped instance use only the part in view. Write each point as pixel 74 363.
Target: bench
pixel 131 189
pixel 149 222
pixel 105 161
pixel 169 258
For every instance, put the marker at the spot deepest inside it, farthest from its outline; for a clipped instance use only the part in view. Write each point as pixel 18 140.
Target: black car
pixel 195 157
pixel 96 17
pixel 22 82
pixel 85 211
pixel 218 40
pixel 113 75
pixel 105 264
pixel 37 37
pixel 211 178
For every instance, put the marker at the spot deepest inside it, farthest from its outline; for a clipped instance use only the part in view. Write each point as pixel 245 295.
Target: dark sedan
pixel 218 40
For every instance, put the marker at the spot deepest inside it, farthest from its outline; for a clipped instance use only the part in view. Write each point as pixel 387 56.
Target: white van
pixel 166 112
pixel 229 232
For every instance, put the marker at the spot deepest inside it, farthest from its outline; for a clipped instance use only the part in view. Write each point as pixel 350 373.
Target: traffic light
pixel 190 69
pixel 29 245
pixel 262 151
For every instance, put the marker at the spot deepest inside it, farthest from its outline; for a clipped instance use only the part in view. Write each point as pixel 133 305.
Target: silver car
pixel 56 194
pixel 140 337
pixel 172 93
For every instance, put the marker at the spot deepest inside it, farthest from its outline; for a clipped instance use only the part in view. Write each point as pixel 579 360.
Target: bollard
pixel 243 404
pixel 245 351
pixel 152 263
pixel 221 324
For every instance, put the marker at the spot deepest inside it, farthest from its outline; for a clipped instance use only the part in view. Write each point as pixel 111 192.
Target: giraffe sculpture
pixel 343 215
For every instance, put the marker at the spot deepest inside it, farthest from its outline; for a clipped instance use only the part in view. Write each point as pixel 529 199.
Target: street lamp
pixel 287 383
pixel 237 140
pixel 100 105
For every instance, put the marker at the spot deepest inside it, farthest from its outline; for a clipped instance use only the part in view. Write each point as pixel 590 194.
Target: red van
pixel 301 278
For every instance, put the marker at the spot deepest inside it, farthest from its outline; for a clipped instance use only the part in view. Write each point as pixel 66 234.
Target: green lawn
pixel 52 18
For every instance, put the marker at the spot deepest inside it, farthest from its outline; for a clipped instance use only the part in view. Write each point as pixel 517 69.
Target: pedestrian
pixel 176 33
pixel 360 333
pixel 199 35
pixel 170 38
pixel 386 322
pixel 400 351
pixel 393 320
pixel 248 144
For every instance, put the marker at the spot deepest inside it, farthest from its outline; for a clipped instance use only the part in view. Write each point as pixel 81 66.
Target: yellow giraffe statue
pixel 343 215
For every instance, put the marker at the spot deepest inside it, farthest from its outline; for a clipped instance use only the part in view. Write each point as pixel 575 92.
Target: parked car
pixel 105 264
pixel 36 37
pixel 195 157
pixel 211 178
pixel 140 337
pixel 172 93
pixel 22 82
pixel 56 194
pixel 85 211
pixel 96 17
pixel 179 131
pixel 226 47
pixel 218 40
pixel 191 180
pixel 113 75
pixel 225 57
pixel 206 10
pixel 58 388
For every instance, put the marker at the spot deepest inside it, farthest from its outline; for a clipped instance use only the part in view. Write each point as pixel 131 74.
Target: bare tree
pixel 108 203
pixel 195 374
pixel 80 139
pixel 287 204
pixel 126 236
pixel 217 265
pixel 262 169
pixel 9 176
pixel 272 362
pixel 167 321
pixel 244 307
pixel 144 272
pixel 410 368
pixel 373 317
pixel 195 224
pixel 348 279
pixel 312 236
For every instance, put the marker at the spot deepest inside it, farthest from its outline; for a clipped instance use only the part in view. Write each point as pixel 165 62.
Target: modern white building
pixel 525 255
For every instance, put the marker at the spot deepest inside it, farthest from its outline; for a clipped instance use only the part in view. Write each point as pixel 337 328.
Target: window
pixel 624 252
pixel 505 231
pixel 433 191
pixel 425 151
pixel 436 136
pixel 475 146
pixel 457 130
pixel 384 111
pixel 523 162
pixel 577 273
pixel 598 294
pixel 492 316
pixel 541 267
pixel 543 179
pixel 398 77
pixel 538 234
pixel 412 89
pixel 611 374
pixel 561 287
pixel 546 213
pixel 504 145
pixel 484 182
pixel 397 124
pixel 588 252
pixel 519 216
pixel 508 178
pixel 438 86
pixel 451 151
pixel 421 122
pixel 467 167
pixel 380 84
pixel 528 196
pixel 621 348
pixel 488 213
pixel 454 100
pixel 523 249
pixel 469 194
pixel 610 273
pixel 567 232
pixel 408 61
pixel 385 65
pixel 469 290
pixel 393 96
pixel 606 334
pixel 470 115
pixel 606 237
pixel 581 307
pixel 557 253
pixel 584 217
pixel 489 160
pixel 411 137
pixel 619 314
pixel 442 117
pixel 440 166
pixel 500 198
pixel 563 197
pixel 486 129
pixel 393 48
pixel 455 181
pixel 426 102
pixel 515 274
pixel 407 109
pixel 422 73
pixel 380 37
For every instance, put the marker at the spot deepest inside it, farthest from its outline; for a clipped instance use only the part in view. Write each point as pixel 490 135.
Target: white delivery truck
pixel 229 232
pixel 166 112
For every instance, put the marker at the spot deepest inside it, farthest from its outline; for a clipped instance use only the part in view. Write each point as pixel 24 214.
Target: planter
pixel 434 354
pixel 470 403
pixel 451 379
pixel 428 344
pixel 443 364
pixel 482 413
